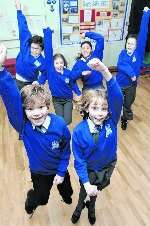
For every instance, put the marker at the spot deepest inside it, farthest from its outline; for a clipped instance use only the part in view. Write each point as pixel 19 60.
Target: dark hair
pixel 37 40
pixel 130 36
pixel 85 42
pixel 34 93
pixel 59 55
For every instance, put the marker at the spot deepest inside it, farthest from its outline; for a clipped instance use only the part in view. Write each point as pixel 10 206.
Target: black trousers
pixel 63 107
pixel 42 185
pixel 129 95
pixel 101 179
pixel 21 84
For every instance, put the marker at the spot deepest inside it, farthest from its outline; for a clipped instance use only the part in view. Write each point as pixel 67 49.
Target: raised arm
pixel 143 33
pixel 99 47
pixel 10 94
pixel 115 98
pixel 48 51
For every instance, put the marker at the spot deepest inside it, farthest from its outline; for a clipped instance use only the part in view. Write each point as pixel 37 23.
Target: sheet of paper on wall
pixel 73 19
pixel 67 29
pixel 117 23
pixel 102 25
pixel 87 15
pixel 115 35
pixel 75 38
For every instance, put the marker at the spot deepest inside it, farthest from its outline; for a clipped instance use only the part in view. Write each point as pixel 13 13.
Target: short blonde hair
pixel 90 96
pixel 34 93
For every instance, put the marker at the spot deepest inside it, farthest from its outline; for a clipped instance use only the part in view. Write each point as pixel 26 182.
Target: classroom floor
pixel 126 202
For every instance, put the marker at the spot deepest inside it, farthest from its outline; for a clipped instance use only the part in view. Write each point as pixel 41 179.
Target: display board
pixel 103 16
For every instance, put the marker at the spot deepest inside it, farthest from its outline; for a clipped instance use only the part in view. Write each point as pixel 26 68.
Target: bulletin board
pixel 103 16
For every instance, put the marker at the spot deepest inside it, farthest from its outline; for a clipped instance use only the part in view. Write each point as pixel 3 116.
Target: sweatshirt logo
pixel 134 59
pixel 55 144
pixel 67 80
pixel 108 130
pixel 37 63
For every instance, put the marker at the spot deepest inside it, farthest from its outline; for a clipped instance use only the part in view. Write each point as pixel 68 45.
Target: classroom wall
pixel 39 14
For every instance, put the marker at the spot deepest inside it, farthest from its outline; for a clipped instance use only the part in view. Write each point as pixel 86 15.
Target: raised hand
pixel 3 54
pixel 17 5
pixel 146 9
pixel 97 65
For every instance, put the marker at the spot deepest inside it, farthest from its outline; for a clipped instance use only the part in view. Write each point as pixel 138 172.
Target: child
pixel 45 136
pixel 29 62
pixel 59 80
pixel 90 78
pixel 129 64
pixel 94 140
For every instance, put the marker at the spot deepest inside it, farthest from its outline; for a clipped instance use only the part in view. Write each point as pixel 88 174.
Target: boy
pixel 45 136
pixel 94 140
pixel 29 62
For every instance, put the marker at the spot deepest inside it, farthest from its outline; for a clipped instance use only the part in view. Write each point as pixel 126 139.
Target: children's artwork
pixel 103 16
pixel 70 6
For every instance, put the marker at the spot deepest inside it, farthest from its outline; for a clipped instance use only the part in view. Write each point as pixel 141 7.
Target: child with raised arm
pixel 94 140
pixel 90 78
pixel 30 63
pixel 45 136
pixel 60 83
pixel 129 65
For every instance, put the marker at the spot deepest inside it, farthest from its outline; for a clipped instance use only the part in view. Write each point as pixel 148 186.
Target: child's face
pixel 59 64
pixel 35 49
pixel 130 45
pixel 37 114
pixel 86 50
pixel 98 110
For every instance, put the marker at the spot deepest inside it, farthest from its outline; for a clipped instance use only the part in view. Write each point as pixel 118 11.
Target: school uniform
pixel 95 159
pixel 60 85
pixel 129 65
pixel 47 148
pixel 93 80
pixel 28 67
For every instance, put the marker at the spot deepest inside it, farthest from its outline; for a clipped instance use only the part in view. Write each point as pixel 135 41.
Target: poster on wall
pixel 103 16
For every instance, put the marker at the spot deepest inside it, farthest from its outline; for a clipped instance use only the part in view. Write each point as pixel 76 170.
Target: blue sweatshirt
pixel 48 152
pixel 60 85
pixel 130 65
pixel 91 156
pixel 27 66
pixel 95 78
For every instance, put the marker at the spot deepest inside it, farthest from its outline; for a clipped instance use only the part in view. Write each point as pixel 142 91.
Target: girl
pixel 129 65
pixel 59 80
pixel 90 78
pixel 94 140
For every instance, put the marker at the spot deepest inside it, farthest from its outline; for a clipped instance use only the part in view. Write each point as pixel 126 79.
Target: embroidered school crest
pixel 67 80
pixel 108 130
pixel 37 63
pixel 55 144
pixel 134 59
